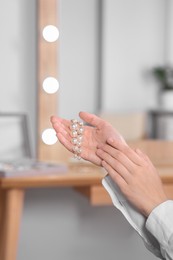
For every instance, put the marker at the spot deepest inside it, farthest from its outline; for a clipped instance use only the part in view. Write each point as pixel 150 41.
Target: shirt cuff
pixel 159 222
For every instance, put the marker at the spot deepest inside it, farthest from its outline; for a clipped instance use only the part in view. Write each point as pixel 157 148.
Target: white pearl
pixel 79 150
pixel 81 130
pixel 80 123
pixel 74 140
pixel 73 126
pixel 79 143
pixel 74 133
pixel 74 121
pixel 80 138
pixel 75 149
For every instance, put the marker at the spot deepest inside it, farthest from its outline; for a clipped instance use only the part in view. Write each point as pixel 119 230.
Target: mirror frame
pixel 47 67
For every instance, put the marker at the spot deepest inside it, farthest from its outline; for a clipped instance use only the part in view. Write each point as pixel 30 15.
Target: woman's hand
pixel 134 173
pixel 97 133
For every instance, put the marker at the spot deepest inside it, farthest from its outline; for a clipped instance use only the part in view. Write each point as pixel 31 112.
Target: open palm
pixel 96 132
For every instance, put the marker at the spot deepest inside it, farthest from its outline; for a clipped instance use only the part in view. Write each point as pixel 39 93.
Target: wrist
pixel 151 206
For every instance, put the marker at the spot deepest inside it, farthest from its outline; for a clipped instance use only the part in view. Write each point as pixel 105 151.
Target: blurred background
pixel 107 53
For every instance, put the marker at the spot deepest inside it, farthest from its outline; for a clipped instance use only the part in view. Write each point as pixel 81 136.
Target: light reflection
pixel 49 136
pixel 50 33
pixel 50 85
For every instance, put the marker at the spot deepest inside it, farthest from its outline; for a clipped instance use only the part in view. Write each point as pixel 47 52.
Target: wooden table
pixel 85 179
pixel 12 191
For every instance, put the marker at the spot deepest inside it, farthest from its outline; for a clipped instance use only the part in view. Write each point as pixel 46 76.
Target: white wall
pixel 169 35
pixel 77 57
pixel 133 43
pixel 59 223
pixel 18 59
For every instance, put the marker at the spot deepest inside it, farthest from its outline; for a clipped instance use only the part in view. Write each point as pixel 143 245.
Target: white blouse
pixel 160 224
pixel 156 230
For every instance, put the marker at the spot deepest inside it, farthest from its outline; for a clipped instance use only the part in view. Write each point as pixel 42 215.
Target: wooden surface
pixel 2 221
pixel 47 67
pixel 160 152
pixel 76 175
pixel 11 223
pixel 98 196
pixel 85 178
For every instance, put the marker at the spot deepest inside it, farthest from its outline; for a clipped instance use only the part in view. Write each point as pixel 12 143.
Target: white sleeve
pixel 136 219
pixel 160 224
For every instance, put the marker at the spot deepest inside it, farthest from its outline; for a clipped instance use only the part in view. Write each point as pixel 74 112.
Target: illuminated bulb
pixel 49 136
pixel 50 85
pixel 50 33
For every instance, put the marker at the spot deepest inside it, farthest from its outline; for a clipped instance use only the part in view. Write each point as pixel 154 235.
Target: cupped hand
pixel 96 132
pixel 134 173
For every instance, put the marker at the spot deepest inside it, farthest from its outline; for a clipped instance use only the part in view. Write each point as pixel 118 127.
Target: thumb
pixel 90 118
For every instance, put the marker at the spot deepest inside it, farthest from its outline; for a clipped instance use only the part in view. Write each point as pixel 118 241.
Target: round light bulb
pixel 50 85
pixel 49 136
pixel 50 33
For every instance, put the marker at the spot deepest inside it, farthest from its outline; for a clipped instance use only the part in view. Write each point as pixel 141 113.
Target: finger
pixel 61 129
pixel 64 141
pixel 124 148
pixel 55 119
pixel 115 164
pixel 91 156
pixel 119 156
pixel 60 125
pixel 143 155
pixel 91 119
pixel 115 176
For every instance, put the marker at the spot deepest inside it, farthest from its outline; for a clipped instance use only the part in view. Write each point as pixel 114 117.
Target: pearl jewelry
pixel 80 123
pixel 74 121
pixel 74 127
pixel 77 131
pixel 74 140
pixel 80 138
pixel 79 143
pixel 80 130
pixel 74 133
pixel 75 149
